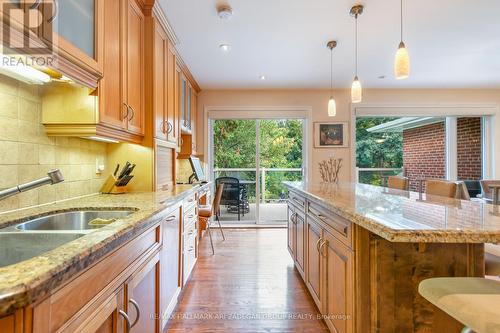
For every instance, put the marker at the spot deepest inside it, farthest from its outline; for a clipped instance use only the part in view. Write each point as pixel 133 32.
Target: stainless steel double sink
pixel 34 237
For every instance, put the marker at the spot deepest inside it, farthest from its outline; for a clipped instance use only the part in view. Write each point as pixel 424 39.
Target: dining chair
pixel 231 197
pixel 442 188
pixel 208 211
pixel 398 183
pixel 485 188
pixel 492 259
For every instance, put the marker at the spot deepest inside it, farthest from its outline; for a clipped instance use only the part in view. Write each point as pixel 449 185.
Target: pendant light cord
pixel 331 71
pixel 356 46
pixel 401 20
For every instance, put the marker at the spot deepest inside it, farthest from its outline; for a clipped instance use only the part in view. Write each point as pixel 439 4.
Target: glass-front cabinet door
pixel 78 27
pixel 75 22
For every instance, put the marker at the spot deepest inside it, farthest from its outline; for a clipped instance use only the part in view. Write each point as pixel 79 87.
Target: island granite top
pixel 401 216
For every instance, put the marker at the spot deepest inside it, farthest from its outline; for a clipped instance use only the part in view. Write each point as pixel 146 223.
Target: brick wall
pixel 469 148
pixel 424 154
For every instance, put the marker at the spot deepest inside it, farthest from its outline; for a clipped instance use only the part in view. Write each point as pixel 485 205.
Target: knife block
pixel 109 186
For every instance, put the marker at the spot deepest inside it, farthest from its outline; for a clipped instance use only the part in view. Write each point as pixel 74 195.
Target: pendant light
pixel 402 61
pixel 332 105
pixel 356 90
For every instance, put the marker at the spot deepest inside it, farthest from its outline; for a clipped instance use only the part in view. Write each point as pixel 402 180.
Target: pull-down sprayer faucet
pixel 53 177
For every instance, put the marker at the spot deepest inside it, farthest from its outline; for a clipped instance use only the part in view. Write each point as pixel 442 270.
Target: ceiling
pixel 452 43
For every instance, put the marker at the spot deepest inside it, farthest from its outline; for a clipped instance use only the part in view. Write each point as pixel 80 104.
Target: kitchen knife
pixel 125 168
pixel 116 170
pixel 129 171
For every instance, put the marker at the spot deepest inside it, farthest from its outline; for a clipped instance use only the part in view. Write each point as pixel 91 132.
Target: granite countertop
pixel 401 216
pixel 28 281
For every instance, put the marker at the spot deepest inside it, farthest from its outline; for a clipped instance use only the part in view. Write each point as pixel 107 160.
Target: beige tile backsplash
pixel 27 153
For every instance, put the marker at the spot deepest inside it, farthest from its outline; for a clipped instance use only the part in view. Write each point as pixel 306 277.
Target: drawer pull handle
pixel 190 232
pixel 321 217
pixel 191 249
pixel 138 310
pixel 127 319
pixel 345 230
pixel 190 216
pixel 170 218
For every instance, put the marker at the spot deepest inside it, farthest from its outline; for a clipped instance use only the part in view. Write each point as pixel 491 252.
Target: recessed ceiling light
pixel 225 12
pixel 381 77
pixel 262 77
pixel 225 47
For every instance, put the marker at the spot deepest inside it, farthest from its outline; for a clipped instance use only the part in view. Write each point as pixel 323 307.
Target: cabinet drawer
pixel 297 200
pixel 189 201
pixel 339 227
pixel 189 255
pixel 190 229
pixel 190 217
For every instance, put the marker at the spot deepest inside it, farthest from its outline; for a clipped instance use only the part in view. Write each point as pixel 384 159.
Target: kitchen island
pixel 362 251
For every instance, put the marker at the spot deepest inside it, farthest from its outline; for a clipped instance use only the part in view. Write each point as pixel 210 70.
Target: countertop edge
pixel 402 236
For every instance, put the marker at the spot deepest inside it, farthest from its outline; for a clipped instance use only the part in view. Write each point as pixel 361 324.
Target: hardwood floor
pixel 249 285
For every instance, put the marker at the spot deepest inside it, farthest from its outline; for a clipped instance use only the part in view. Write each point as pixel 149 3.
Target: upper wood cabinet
pixel 162 70
pixel 120 111
pixel 133 60
pixel 71 31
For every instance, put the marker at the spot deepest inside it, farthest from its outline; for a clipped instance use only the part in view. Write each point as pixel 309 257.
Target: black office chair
pixel 231 196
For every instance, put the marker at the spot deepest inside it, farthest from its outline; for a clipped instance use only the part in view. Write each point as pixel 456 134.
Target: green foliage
pixel 280 147
pixel 377 150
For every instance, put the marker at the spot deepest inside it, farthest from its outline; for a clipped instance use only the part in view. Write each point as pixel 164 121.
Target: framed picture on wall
pixel 331 135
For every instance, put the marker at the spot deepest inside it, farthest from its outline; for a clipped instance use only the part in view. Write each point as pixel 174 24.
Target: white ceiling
pixel 452 43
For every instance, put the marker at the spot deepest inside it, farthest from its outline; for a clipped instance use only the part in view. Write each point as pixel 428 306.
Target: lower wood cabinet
pixel 339 289
pixel 326 264
pixel 315 263
pixel 142 291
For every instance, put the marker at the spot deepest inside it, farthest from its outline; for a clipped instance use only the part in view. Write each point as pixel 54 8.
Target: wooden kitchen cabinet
pixel 170 284
pixel 71 32
pixel 315 263
pixel 134 67
pixel 339 273
pixel 143 290
pixel 163 73
pixel 117 109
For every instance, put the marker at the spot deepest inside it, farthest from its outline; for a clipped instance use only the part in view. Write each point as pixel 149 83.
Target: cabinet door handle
pixel 170 218
pixel 128 110
pixel 35 4
pixel 191 249
pixel 133 113
pixel 127 319
pixel 170 127
pixel 56 11
pixel 190 216
pixel 321 217
pixel 138 310
pixel 317 243
pixel 321 248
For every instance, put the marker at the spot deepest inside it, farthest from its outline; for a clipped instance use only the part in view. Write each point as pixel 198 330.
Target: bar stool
pixel 441 188
pixel 471 301
pixel 207 211
pixel 398 183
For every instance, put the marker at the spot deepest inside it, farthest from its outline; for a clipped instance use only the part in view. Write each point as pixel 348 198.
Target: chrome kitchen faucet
pixel 53 177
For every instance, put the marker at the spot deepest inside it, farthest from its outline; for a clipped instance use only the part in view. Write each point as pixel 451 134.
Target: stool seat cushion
pixel 472 301
pixel 205 211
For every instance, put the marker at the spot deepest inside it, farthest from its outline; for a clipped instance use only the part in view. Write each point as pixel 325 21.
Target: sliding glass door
pixel 252 157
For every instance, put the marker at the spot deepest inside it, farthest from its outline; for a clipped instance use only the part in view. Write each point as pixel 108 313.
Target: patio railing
pixel 271 188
